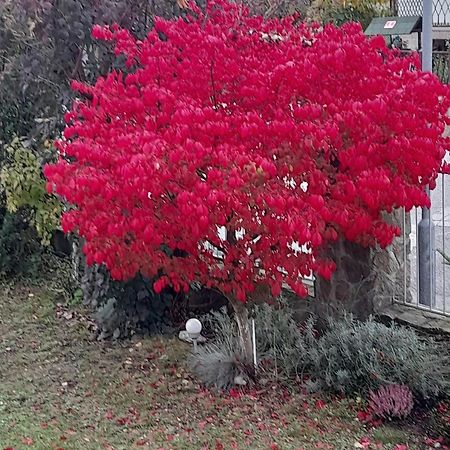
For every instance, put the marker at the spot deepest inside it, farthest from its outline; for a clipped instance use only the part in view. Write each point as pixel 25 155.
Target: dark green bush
pixel 20 247
pixel 124 308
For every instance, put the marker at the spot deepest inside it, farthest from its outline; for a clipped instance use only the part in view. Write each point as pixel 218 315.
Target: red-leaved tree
pixel 235 149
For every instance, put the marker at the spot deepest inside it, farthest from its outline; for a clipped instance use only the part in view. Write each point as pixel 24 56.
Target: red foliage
pixel 274 131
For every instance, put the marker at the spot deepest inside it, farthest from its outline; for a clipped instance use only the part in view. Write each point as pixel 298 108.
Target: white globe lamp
pixel 194 328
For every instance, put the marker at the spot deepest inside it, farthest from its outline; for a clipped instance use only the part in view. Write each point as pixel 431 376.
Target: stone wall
pixel 366 279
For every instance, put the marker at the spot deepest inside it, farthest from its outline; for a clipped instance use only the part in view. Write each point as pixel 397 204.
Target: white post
pixel 426 228
pixel 255 363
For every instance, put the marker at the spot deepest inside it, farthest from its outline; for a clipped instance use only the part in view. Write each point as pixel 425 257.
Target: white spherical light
pixel 194 328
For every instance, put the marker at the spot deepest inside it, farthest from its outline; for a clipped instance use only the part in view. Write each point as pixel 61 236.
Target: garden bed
pixel 61 389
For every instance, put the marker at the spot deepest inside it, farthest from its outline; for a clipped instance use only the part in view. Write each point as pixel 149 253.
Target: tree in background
pixel 342 11
pixel 233 150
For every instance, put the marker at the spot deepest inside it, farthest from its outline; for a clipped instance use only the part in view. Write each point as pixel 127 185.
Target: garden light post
pixel 255 360
pixel 194 328
pixel 426 229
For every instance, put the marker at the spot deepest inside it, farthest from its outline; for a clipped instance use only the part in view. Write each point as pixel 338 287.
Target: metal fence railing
pixel 439 227
pixel 441 10
pixel 440 214
pixel 441 61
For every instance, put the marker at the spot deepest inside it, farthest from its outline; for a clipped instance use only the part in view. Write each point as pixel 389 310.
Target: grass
pixel 60 389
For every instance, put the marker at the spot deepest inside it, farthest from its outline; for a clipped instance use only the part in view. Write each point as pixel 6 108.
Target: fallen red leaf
pixel 323 445
pixel 123 421
pixel 108 415
pixel 219 445
pixel 235 393
pixel 437 443
pixel 27 441
pixel 442 407
pixel 320 404
pixel 364 416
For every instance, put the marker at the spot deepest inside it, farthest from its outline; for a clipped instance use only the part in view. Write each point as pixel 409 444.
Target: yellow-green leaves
pixel 23 185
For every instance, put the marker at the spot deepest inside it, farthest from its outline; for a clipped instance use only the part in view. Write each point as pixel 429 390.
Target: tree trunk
pixel 245 336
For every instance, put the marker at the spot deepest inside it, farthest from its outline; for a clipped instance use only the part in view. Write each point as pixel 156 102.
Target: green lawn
pixel 60 389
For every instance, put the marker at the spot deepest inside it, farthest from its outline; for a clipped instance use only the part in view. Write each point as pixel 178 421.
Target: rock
pixel 184 336
pixel 366 279
pixel 116 333
pixel 239 380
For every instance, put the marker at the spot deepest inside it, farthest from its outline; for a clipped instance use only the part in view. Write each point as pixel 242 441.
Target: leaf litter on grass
pixel 61 389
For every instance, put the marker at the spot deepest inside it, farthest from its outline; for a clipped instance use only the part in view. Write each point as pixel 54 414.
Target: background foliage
pixel 339 12
pixel 20 248
pixel 24 186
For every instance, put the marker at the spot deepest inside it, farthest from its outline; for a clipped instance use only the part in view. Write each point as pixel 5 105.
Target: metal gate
pixel 438 237
pixel 440 276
